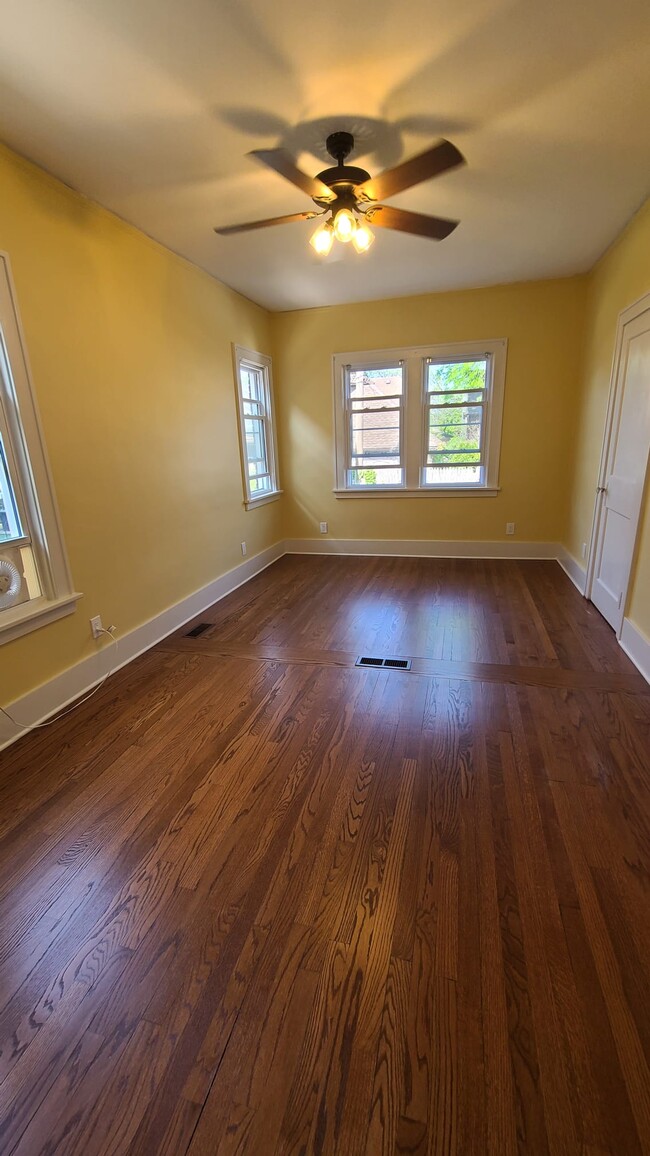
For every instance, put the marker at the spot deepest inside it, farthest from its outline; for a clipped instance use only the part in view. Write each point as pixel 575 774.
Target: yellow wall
pixel 130 349
pixel 543 322
pixel 619 279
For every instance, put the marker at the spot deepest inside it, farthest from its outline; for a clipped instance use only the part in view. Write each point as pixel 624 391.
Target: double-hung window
pixel 35 583
pixel 421 420
pixel 256 426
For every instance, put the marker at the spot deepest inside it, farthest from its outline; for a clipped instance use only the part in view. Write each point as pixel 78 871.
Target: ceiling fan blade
pixel 435 227
pixel 246 228
pixel 283 163
pixel 432 163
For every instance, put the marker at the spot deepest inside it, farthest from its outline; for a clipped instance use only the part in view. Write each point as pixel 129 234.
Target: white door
pixel 624 467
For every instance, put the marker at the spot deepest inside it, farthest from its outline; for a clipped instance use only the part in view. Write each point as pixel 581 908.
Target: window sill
pixel 32 615
pixel 251 503
pixel 424 492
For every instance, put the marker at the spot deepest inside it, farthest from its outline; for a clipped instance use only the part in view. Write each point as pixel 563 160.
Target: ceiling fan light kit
pixel 348 196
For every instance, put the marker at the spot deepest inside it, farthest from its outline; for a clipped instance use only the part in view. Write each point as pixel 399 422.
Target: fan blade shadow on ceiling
pixel 379 142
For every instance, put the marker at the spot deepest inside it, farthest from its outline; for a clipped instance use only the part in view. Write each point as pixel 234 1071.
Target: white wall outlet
pixel 323 527
pixel 243 548
pixel 584 549
pixel 96 626
pixel 510 527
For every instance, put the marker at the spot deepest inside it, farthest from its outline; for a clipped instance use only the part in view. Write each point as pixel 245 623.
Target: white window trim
pixel 250 357
pixel 413 433
pixel 59 597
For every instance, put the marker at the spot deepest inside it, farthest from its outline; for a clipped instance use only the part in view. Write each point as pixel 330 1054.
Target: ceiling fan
pixel 348 196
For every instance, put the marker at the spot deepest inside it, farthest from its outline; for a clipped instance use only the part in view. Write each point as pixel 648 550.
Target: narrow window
pixel 35 583
pixel 256 427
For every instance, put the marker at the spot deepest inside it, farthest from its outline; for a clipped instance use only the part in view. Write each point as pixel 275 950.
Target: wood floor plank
pixel 388 1082
pixel 556 1061
pixel 626 1035
pixel 256 900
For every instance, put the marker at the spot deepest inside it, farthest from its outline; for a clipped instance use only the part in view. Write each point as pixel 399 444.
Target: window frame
pixel 260 362
pixel 415 360
pixel 30 476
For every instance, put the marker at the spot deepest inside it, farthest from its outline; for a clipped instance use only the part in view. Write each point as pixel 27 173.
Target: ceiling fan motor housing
pixel 342 179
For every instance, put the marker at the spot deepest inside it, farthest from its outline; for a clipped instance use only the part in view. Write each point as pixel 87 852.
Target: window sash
pixel 11 521
pixel 438 399
pixel 355 407
pixel 11 443
pixel 481 450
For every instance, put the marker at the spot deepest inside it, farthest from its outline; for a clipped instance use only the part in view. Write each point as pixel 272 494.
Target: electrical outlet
pixel 584 549
pixel 243 548
pixel 96 626
pixel 323 527
pixel 510 527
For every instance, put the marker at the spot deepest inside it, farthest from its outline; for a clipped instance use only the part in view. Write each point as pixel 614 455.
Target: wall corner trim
pixel 572 567
pixel 637 647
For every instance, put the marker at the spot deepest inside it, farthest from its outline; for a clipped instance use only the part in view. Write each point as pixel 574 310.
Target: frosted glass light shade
pixel 363 237
pixel 321 240
pixel 344 225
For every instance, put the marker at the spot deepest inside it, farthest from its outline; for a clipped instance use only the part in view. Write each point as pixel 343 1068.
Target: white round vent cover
pixel 10 583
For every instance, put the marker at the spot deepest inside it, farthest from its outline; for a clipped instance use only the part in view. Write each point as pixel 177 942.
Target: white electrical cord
pixel 60 714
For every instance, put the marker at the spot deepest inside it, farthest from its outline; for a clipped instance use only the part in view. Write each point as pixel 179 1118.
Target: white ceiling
pixel 149 107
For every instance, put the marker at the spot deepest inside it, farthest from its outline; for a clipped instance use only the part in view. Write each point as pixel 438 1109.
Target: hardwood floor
pixel 258 900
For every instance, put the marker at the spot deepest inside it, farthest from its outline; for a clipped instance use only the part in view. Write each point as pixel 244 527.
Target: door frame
pixel 614 404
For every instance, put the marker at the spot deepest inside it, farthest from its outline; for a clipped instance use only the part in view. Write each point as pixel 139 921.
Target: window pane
pixel 255 445
pixel 455 434
pixel 10 527
pixel 368 383
pixel 260 485
pixel 375 435
pixel 453 475
pixel 252 384
pixel 374 474
pixel 443 377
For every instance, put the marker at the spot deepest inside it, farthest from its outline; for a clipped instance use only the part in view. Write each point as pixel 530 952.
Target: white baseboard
pixel 408 548
pixel 572 567
pixel 636 646
pixel 38 705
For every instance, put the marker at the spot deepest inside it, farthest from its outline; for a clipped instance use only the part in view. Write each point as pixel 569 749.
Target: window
pixel 256 428
pixel 35 584
pixel 425 420
pixel 376 419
